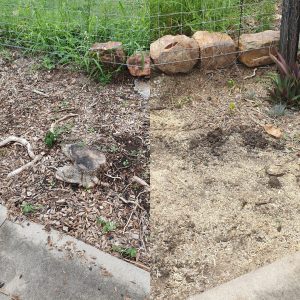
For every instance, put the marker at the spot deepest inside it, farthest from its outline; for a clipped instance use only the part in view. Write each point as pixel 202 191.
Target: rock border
pixel 173 54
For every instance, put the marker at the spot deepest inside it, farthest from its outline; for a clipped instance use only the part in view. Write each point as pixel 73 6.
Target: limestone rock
pixel 217 50
pixel 256 48
pixel 110 53
pixel 175 54
pixel 139 64
pixel 71 174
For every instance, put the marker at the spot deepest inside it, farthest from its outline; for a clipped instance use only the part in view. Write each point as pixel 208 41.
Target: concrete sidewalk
pixel 40 265
pixel 277 281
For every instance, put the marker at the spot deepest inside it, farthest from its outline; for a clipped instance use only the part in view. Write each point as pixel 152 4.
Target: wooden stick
pixel 53 125
pixel 140 181
pixel 138 264
pixel 131 202
pixel 251 76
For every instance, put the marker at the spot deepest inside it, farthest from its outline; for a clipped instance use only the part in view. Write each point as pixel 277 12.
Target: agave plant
pixel 287 83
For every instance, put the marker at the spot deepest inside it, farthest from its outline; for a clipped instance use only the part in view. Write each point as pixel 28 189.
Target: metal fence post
pixel 290 30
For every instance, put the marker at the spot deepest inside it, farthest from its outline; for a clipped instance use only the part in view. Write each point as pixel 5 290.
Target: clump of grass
pixel 63 31
pixel 188 16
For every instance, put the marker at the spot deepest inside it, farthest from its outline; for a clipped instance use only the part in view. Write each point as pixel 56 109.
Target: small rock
pixel 275 170
pixel 175 54
pixel 217 50
pixel 65 228
pixel 139 64
pixel 110 53
pixel 256 47
pixel 61 201
pixel 134 236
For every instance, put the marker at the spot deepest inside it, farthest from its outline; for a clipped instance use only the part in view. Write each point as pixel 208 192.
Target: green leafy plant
pixel 27 208
pixel 47 63
pixel 230 83
pixel 130 252
pixel 126 163
pixel 107 226
pixel 51 138
pixel 286 84
pixel 232 106
pixel 277 110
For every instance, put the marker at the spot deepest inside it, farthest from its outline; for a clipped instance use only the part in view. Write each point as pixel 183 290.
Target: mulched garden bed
pixel 113 119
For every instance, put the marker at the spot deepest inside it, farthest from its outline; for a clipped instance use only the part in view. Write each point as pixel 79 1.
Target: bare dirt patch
pixel 225 195
pixel 112 118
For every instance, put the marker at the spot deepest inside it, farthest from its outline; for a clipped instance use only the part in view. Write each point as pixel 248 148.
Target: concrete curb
pixel 76 255
pixel 3 214
pixel 277 281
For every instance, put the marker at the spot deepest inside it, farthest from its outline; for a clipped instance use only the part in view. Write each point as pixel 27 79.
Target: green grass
pixel 188 16
pixel 62 31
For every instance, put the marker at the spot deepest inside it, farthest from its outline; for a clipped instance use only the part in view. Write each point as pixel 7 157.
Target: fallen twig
pixel 251 76
pixel 140 181
pixel 53 125
pixel 138 264
pixel 41 93
pixel 130 202
pixel 129 219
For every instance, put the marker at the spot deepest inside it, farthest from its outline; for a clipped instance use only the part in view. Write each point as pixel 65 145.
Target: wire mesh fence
pixel 225 20
pixel 66 29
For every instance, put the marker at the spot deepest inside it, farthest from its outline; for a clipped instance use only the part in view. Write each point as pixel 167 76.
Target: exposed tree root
pixel 19 140
pixel 28 165
pixel 25 143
